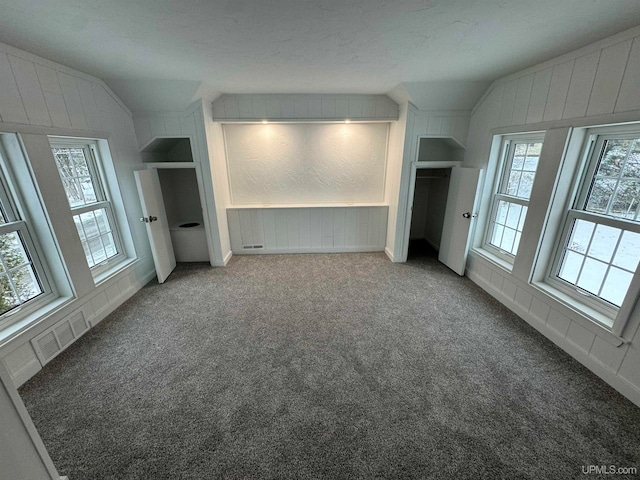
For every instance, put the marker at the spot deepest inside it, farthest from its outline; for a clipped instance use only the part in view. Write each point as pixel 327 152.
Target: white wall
pixel 306 163
pixel 598 84
pixel 417 124
pixel 307 230
pixel 194 123
pixel 39 98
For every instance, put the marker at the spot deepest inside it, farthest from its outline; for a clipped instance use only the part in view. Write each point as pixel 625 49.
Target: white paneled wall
pixel 35 92
pixel 306 230
pixel 453 124
pixel 193 124
pixel 598 84
pixel 304 107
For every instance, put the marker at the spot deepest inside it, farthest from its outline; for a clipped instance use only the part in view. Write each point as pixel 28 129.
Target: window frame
pixel 505 160
pixel 590 155
pixel 18 221
pixel 103 198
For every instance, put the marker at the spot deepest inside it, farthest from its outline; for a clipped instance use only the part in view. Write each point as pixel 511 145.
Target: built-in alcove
pixel 439 150
pixel 168 150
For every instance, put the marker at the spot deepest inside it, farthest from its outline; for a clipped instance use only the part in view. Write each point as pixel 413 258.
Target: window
pixel 78 165
pixel 23 283
pixel 510 201
pixel 599 249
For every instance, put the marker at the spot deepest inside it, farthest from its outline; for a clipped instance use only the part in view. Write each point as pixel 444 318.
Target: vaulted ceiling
pixel 159 54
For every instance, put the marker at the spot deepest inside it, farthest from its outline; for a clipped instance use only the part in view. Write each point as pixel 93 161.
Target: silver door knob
pixel 466 215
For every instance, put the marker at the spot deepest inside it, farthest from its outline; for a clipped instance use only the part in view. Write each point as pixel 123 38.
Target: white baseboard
pixel 265 251
pixel 389 253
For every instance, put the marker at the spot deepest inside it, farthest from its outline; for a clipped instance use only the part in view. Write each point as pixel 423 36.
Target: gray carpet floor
pixel 339 366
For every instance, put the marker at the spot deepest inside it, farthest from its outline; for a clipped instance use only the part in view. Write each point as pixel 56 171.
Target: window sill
pixel 493 258
pixel 105 275
pixel 15 329
pixel 591 319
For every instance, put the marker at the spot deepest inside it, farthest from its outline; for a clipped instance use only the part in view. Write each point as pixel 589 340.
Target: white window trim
pixel 111 265
pixel 18 221
pixel 496 254
pixel 607 316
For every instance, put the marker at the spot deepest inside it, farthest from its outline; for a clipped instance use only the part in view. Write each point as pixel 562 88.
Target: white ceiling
pixel 150 50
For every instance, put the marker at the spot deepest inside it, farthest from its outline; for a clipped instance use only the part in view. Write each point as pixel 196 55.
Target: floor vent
pixel 247 247
pixel 55 339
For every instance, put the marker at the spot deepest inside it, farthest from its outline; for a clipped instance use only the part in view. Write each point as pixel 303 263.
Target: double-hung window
pixel 599 249
pixel 518 164
pixel 23 282
pixel 78 164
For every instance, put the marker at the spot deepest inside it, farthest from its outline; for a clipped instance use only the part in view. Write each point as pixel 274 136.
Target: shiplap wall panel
pixel 72 101
pixel 508 102
pixel 434 125
pixel 54 98
pixel 605 78
pixel 523 96
pixel 37 92
pixel 89 106
pixel 539 93
pixel 560 80
pixel 298 230
pixel 584 71
pixel 613 61
pixel 247 107
pixel 12 110
pixel 304 224
pixel 30 91
pixel 629 98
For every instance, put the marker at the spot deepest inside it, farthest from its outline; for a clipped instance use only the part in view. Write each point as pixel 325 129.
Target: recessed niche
pixel 440 150
pixel 167 150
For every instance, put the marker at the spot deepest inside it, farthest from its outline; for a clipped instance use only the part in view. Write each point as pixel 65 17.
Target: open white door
pixel 155 218
pixel 458 216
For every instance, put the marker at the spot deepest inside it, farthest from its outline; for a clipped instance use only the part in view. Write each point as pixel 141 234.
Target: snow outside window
pixel 599 250
pixel 520 156
pixel 77 164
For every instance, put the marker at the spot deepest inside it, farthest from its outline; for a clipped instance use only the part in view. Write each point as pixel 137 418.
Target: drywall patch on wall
pixel 306 163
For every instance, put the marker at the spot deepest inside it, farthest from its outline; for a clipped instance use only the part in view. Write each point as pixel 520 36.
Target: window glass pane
pixel 615 189
pixel 614 153
pixel 603 243
pixel 12 250
pixel 26 283
pixel 570 267
pixel 616 286
pixel 109 245
pixel 507 226
pixel 592 275
pixel 628 252
pixel 102 220
pixel 513 216
pixel 508 238
pixel 8 298
pixel 75 173
pixel 514 183
pixel 632 166
pixel 626 200
pixel 601 192
pixel 95 232
pixel 581 236
pixel 526 184
pixel 88 221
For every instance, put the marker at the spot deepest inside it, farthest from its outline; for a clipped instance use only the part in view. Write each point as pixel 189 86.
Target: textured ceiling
pixel 303 46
